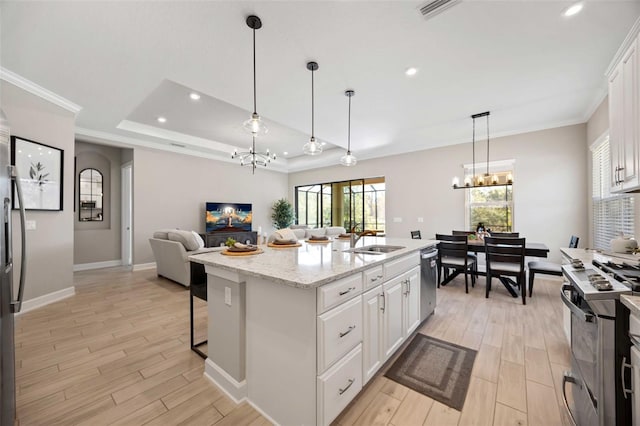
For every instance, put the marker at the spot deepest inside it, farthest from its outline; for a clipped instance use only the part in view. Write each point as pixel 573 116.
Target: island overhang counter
pixel 297 332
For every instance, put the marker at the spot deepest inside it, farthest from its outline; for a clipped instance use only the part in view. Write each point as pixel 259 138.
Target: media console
pixel 216 239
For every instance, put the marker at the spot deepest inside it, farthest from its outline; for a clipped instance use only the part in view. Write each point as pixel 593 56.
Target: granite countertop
pixel 312 264
pixel 587 255
pixel 631 302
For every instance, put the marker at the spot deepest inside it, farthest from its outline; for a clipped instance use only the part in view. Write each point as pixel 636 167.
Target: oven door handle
pixel 568 377
pixel 572 307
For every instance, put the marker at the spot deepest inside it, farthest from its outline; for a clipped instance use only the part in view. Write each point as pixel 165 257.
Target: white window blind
pixel 612 213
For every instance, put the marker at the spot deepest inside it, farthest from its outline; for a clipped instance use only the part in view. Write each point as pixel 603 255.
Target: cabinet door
pixel 411 305
pixel 616 132
pixel 372 336
pixel 629 147
pixel 635 404
pixel 392 316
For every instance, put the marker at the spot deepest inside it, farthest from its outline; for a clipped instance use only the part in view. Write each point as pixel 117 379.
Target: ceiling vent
pixel 435 7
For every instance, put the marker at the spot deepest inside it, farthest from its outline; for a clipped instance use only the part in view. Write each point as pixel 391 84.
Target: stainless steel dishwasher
pixel 428 277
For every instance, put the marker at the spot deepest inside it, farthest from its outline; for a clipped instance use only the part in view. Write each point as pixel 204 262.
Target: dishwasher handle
pixel 584 316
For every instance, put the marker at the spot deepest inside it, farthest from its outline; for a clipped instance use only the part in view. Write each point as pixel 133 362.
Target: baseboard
pixel 96 265
pixel 144 266
pixel 235 390
pixel 259 410
pixel 40 301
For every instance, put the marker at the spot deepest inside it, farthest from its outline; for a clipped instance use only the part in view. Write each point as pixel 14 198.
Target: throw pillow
pixel 199 239
pixel 184 237
pixel 286 234
pixel 162 234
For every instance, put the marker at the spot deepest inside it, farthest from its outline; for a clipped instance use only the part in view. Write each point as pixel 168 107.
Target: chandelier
pixel 253 158
pixel 254 124
pixel 486 179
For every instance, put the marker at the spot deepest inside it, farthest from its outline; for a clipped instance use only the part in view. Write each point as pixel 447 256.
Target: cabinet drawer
pixel 396 267
pixel 338 386
pixel 338 292
pixel 339 331
pixel 372 277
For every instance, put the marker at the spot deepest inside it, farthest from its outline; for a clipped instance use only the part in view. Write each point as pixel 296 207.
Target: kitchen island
pixel 297 332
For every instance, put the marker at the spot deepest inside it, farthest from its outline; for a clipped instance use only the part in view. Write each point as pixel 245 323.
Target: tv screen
pixel 228 217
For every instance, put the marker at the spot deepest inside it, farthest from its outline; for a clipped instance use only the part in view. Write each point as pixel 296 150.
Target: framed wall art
pixel 39 169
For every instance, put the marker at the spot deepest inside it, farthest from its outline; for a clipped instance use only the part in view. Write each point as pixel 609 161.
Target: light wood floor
pixel 118 353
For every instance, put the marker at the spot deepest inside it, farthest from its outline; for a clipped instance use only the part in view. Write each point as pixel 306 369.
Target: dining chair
pixel 505 258
pixel 505 234
pixel 548 268
pixel 415 235
pixel 452 254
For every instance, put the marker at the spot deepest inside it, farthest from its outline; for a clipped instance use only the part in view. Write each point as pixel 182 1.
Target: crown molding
pixel 631 37
pixel 41 92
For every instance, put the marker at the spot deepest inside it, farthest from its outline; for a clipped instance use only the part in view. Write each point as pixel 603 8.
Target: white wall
pixel 549 189
pixel 50 245
pixel 170 191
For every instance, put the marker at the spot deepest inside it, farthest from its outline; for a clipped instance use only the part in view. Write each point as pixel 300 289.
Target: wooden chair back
pixel 504 250
pixel 506 234
pixel 467 233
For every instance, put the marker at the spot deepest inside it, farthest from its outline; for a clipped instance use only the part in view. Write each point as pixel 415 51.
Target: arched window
pixel 91 196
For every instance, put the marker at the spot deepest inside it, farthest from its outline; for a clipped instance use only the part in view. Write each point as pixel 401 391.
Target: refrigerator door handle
pixel 16 305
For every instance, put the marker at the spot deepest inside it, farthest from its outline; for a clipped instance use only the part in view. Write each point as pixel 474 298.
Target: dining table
pixel 531 249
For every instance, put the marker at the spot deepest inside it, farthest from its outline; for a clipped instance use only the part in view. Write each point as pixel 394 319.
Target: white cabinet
pixel 372 336
pixel 339 331
pixel 338 386
pixel 392 301
pixel 624 123
pixel 635 405
pixel 411 302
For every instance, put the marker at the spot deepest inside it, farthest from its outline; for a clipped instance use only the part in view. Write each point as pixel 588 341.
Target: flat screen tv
pixel 227 217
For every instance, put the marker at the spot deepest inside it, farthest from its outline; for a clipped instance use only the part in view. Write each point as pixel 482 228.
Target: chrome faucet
pixel 355 237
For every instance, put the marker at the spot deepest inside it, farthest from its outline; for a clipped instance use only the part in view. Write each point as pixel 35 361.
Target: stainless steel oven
pixel 589 389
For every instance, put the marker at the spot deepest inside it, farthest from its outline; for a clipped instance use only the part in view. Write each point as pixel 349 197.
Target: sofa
pixel 172 248
pixel 303 232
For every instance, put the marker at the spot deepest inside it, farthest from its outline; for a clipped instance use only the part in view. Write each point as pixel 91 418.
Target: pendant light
pixel 312 147
pixel 486 179
pixel 349 159
pixel 254 124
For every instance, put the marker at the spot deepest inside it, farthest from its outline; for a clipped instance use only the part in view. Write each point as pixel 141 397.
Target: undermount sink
pixel 374 249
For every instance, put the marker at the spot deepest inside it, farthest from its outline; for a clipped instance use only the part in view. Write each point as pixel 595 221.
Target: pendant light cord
pixel 254 72
pixel 487 144
pixel 312 103
pixel 349 129
pixel 473 144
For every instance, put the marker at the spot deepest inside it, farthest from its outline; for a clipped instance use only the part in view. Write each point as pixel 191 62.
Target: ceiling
pixel 126 63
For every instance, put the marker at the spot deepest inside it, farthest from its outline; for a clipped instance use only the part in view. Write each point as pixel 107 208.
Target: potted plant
pixel 282 214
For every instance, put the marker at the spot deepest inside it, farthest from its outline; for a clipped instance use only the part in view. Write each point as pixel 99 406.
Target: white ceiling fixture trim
pixel 33 88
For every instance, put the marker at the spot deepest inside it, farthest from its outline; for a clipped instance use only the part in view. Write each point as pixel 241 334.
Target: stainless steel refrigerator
pixel 9 305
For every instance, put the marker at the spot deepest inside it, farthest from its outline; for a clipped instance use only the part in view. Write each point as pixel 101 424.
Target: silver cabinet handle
pixel 567 377
pixel 620 176
pixel 350 289
pixel 625 390
pixel 376 278
pixel 384 302
pixel 16 305
pixel 349 330
pixel 341 391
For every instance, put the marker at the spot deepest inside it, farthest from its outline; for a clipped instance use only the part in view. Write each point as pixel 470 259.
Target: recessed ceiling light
pixel 194 96
pixel 411 71
pixel 285 153
pixel 323 143
pixel 162 120
pixel 573 9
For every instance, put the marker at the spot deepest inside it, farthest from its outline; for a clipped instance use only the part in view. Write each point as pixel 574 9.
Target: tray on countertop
pixel 242 252
pixel 272 245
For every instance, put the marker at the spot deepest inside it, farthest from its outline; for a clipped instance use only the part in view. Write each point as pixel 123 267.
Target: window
pixel 491 205
pixel 359 203
pixel 90 196
pixel 612 213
